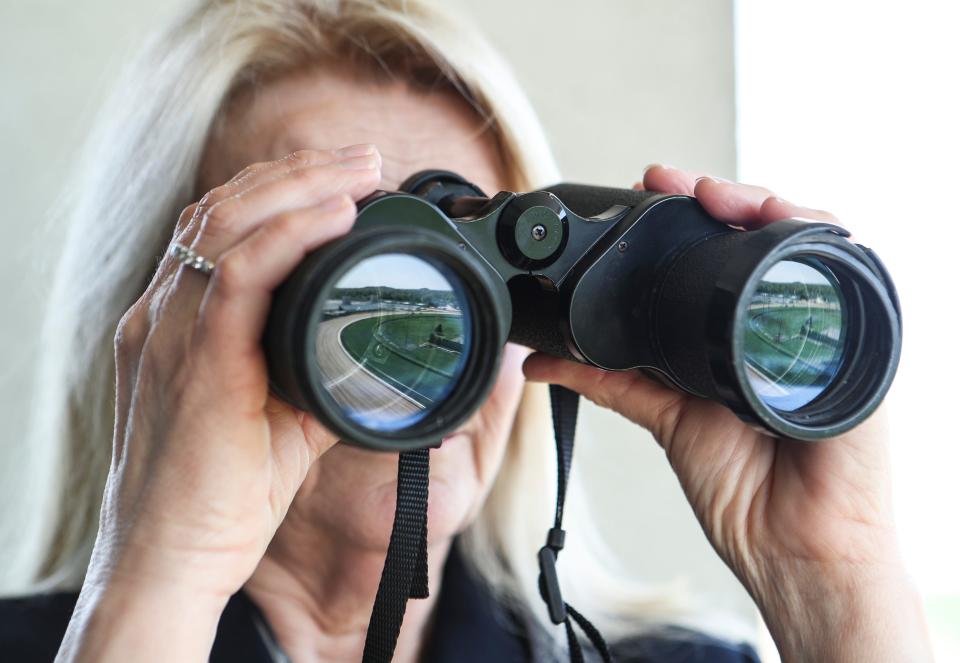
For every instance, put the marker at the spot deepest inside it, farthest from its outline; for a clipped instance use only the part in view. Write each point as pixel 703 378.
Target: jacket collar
pixel 469 626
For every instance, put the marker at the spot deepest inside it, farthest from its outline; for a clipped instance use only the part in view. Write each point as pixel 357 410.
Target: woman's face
pixel 350 492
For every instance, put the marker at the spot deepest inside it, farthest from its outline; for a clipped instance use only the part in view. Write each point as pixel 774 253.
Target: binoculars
pixel 391 335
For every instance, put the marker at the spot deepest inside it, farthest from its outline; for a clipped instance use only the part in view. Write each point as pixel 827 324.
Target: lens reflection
pixel 793 340
pixel 392 339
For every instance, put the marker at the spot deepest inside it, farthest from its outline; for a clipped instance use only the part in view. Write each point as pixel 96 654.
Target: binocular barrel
pixel 391 336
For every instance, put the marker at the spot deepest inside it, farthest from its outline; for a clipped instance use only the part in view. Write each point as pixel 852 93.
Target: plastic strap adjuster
pixel 549 583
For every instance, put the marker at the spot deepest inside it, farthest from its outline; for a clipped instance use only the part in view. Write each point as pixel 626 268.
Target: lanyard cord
pixel 564 404
pixel 405 569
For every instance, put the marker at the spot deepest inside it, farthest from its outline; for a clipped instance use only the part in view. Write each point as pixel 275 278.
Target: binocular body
pixel 392 335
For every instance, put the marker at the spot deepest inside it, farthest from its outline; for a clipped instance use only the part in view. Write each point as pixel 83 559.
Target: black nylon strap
pixel 564 404
pixel 595 638
pixel 576 653
pixel 405 568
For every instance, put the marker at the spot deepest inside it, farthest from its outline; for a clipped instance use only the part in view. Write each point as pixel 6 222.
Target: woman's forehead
pixel 327 109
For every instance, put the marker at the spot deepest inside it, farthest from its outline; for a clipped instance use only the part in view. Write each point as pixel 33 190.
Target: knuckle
pixel 287 224
pixel 186 215
pixel 309 177
pixel 130 332
pixel 250 170
pixel 314 181
pixel 231 272
pixel 208 200
pixel 324 180
pixel 219 218
pixel 211 199
pixel 302 158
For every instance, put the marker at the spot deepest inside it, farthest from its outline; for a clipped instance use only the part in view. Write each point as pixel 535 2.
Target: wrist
pixel 838 613
pixel 139 619
pixel 143 559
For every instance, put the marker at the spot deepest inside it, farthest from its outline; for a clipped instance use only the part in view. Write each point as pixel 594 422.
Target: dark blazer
pixel 470 627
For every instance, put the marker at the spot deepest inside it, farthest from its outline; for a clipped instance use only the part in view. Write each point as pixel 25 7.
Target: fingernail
pixel 334 204
pixel 359 150
pixel 364 162
pixel 661 166
pixel 711 179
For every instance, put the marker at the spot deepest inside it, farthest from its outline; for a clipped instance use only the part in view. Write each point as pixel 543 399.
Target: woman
pixel 275 118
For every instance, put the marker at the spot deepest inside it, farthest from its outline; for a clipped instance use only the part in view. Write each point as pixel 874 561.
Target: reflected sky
pixel 790 271
pixel 394 270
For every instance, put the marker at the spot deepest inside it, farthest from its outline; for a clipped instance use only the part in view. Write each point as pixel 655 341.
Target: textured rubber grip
pixel 587 201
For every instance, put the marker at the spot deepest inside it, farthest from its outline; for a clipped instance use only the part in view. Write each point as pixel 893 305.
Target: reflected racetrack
pixel 792 352
pixel 386 366
pixel 355 388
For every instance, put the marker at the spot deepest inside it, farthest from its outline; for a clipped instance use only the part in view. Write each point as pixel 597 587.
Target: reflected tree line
pixel 420 296
pixel 798 291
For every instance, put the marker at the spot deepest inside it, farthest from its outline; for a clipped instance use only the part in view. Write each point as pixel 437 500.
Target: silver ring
pixel 191 259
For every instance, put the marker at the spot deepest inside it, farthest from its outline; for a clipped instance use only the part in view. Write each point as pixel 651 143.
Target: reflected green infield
pixel 418 353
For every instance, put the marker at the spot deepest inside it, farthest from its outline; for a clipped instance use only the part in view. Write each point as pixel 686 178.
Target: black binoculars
pixel 391 335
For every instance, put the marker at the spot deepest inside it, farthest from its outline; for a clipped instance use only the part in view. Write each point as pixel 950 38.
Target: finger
pixel 774 209
pixel 229 220
pixel 253 175
pixel 234 308
pixel 631 393
pixel 217 234
pixel 265 171
pixel 667 179
pixel 731 202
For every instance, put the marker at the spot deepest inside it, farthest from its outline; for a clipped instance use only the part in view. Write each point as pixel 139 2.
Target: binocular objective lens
pixel 794 334
pixel 392 339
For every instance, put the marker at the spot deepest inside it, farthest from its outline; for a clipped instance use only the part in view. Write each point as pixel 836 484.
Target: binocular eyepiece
pixel 391 336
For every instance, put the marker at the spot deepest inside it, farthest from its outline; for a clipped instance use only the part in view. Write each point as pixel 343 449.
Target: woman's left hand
pixel 806 527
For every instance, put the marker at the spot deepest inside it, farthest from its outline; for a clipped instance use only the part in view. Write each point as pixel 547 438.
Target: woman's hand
pixel 806 527
pixel 205 461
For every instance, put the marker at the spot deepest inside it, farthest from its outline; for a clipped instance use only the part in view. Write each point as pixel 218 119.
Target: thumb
pixel 630 393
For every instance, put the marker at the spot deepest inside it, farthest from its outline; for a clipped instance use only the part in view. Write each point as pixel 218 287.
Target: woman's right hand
pixel 205 460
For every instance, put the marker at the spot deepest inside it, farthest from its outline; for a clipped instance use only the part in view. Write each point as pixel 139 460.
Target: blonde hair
pixel 140 172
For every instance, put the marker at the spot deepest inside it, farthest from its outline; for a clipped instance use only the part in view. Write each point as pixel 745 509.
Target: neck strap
pixel 405 569
pixel 565 404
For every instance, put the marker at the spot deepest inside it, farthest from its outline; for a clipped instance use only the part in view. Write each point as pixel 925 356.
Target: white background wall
pixel 618 84
pixel 856 110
